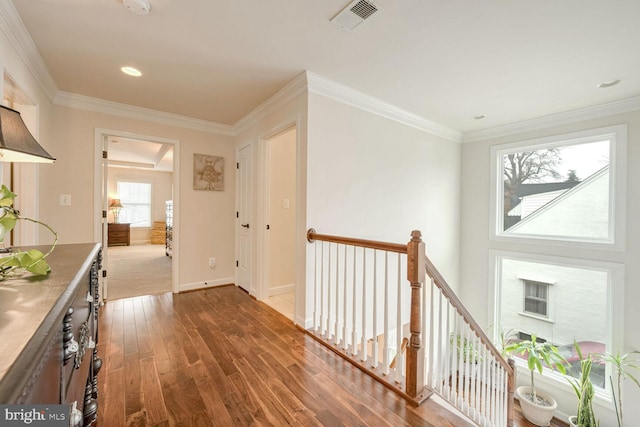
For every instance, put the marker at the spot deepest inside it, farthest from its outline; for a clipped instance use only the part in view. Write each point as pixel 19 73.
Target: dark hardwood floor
pixel 217 357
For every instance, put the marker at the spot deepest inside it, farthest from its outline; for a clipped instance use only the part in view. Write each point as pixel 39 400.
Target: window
pixel 536 296
pixel 560 300
pixel 135 198
pixel 561 188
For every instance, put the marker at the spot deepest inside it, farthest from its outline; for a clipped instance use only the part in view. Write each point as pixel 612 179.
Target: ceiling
pixel 136 154
pixel 445 61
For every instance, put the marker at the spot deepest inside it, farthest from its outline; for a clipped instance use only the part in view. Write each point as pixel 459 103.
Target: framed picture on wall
pixel 208 172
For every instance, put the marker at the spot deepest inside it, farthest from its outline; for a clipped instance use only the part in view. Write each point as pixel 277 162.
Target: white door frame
pixel 100 203
pixel 262 263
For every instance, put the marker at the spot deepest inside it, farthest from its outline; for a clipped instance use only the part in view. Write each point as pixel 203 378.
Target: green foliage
pixel 584 391
pixel 622 364
pixel 465 347
pixel 31 260
pixel 538 353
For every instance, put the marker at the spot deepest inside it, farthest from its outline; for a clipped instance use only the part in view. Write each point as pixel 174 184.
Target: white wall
pixel 572 293
pixel 282 186
pixel 475 243
pixel 373 178
pixel 161 191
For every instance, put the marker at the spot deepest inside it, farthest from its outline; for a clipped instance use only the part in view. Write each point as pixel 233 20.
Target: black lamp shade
pixel 16 142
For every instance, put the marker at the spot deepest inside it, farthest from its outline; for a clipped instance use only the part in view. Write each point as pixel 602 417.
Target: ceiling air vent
pixel 354 14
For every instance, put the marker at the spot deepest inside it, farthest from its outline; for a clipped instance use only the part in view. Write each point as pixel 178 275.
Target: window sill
pixel 533 316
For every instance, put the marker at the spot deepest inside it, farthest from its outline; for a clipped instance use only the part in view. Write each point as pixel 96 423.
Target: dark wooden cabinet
pixel 119 234
pixel 48 339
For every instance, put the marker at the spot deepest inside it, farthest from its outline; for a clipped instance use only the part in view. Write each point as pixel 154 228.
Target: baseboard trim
pixel 184 287
pixel 278 290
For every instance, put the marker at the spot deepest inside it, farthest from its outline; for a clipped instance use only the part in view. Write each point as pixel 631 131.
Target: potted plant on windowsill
pixel 622 365
pixel 584 391
pixel 537 406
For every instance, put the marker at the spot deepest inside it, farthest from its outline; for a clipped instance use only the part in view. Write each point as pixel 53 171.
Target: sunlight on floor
pixel 283 303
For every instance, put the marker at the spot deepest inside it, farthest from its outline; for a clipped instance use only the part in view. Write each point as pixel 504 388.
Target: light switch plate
pixel 65 200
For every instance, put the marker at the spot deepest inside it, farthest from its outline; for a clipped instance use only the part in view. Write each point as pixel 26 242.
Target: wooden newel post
pixel 415 352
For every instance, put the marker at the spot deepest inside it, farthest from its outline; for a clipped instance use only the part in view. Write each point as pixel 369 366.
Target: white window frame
pixel 617 135
pixel 615 311
pixel 141 181
pixel 547 300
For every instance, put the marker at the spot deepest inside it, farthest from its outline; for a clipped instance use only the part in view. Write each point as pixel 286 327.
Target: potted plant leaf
pixel 622 366
pixel 13 262
pixel 583 388
pixel 537 406
pixel 468 353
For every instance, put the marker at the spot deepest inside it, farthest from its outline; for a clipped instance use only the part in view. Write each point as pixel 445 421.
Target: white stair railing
pixel 372 306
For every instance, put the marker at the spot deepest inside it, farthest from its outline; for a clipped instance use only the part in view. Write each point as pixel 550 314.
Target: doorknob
pixel 245 225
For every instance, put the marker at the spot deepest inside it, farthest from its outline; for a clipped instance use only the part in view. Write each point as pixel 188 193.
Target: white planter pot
pixel 539 415
pixel 573 421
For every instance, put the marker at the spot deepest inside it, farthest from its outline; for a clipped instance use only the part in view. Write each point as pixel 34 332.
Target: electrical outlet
pixel 65 200
pixel 212 262
pixel 285 203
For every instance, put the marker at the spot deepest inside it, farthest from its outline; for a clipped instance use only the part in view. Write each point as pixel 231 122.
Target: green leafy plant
pixel 622 365
pixel 31 260
pixel 538 353
pixel 466 348
pixel 506 337
pixel 583 388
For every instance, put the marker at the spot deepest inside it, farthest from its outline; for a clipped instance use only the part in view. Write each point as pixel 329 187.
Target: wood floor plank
pixel 134 407
pixel 218 357
pixel 142 333
pixel 152 393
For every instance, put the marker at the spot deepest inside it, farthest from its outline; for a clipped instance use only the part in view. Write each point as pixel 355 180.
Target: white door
pixel 243 222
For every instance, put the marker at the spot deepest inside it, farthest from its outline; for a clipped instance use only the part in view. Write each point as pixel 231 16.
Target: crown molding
pixel 290 91
pixel 132 112
pixel 15 31
pixel 588 113
pixel 347 95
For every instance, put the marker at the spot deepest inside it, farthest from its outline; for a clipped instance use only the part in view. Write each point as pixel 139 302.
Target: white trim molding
pixel 206 284
pixel 17 34
pixel 132 112
pixel 279 290
pixel 289 92
pixel 350 96
pixel 602 110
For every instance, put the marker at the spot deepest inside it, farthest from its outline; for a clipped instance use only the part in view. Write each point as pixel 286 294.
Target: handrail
pixel 441 283
pixel 371 244
pixel 413 364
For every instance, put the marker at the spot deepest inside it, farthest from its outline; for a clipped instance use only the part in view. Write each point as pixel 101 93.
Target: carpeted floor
pixel 137 270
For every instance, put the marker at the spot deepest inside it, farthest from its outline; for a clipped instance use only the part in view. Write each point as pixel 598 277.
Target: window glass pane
pixel 135 198
pixel 562 303
pixel 559 191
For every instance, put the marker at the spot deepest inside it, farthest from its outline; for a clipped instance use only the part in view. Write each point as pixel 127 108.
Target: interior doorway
pixel 138 177
pixel 280 271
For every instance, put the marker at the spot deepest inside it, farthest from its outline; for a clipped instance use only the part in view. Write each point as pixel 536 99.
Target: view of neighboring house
pixel 530 197
pixel 582 211
pixel 549 298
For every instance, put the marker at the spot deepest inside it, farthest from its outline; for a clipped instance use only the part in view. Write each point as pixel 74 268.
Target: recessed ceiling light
pixel 610 83
pixel 131 71
pixel 479 117
pixel 139 7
